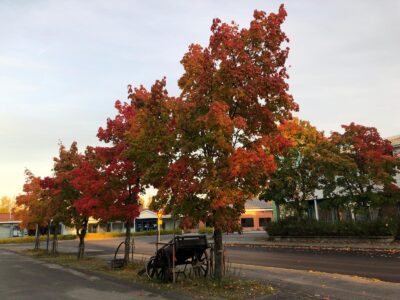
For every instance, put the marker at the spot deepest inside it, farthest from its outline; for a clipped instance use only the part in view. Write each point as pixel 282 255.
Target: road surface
pixel 385 268
pixel 22 277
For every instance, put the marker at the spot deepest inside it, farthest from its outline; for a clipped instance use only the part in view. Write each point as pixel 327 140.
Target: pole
pixel 158 233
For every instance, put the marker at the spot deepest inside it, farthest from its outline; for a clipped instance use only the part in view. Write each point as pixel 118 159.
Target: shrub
pixel 309 227
pixel 206 230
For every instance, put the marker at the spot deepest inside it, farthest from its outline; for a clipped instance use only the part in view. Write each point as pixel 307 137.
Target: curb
pixel 316 247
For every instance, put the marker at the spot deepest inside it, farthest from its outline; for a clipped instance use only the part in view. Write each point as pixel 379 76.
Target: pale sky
pixel 64 63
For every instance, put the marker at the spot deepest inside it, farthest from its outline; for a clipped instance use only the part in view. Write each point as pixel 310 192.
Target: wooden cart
pixel 187 251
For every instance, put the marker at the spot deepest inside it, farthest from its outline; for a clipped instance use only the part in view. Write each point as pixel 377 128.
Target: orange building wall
pixel 256 215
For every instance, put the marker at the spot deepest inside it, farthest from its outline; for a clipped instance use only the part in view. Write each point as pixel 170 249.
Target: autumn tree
pixel 90 184
pixel 367 176
pixel 300 167
pixel 65 194
pixel 211 149
pixel 120 176
pixel 32 207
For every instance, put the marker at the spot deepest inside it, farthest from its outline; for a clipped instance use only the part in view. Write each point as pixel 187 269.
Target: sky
pixel 64 63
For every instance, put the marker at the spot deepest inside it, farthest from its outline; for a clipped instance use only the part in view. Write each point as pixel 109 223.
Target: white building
pixel 9 227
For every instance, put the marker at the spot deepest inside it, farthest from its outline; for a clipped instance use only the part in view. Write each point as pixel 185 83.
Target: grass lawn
pixel 31 239
pixel 231 287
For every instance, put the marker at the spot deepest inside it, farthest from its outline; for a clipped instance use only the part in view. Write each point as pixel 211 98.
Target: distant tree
pixel 32 206
pixel 213 148
pixel 366 176
pixel 6 204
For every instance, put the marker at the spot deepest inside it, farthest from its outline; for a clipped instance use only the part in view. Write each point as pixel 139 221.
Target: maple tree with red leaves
pixel 366 176
pixel 211 149
pixel 116 177
pixel 65 195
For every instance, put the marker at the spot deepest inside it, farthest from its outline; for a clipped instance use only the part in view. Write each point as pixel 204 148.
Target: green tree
pixel 300 167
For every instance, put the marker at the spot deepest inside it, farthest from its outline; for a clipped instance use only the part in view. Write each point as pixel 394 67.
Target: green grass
pixel 31 239
pixel 105 235
pixel 230 287
pixel 89 236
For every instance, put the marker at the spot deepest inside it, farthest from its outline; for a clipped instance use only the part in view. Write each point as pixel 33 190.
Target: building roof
pixel 7 218
pixel 257 204
pixel 395 140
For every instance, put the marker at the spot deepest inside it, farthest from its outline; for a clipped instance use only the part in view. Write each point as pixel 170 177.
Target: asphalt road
pixel 385 268
pixel 22 277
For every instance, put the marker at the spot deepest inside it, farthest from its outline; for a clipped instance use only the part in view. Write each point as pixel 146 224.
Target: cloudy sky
pixel 64 63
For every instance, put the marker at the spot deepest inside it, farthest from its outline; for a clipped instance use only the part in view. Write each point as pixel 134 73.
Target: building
pixel 9 227
pixel 147 220
pixel 257 214
pixel 395 140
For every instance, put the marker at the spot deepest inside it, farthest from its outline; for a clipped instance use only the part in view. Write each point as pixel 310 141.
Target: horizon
pixel 64 66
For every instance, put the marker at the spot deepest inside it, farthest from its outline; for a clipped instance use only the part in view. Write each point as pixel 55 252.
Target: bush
pixel 206 230
pixel 309 227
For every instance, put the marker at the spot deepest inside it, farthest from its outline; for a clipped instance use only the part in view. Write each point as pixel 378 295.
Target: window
pixel 247 222
pixel 264 221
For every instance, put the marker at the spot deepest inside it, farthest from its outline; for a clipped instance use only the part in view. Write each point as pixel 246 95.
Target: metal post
pixel 158 234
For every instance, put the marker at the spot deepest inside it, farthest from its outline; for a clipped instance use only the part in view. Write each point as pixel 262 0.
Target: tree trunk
pixel 37 238
pixel 81 235
pixel 48 236
pixel 54 249
pixel 299 211
pixel 127 241
pixel 218 254
pixel 278 212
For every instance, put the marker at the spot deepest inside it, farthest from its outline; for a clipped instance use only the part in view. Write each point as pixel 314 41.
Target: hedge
pixel 206 230
pixel 296 228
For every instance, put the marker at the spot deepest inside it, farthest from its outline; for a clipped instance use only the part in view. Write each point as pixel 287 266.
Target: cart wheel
pixel 152 271
pixel 155 271
pixel 200 265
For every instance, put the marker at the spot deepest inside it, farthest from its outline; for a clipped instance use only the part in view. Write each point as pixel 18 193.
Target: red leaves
pixel 251 164
pixel 364 145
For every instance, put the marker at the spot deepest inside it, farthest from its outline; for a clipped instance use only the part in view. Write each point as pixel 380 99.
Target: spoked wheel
pixel 155 271
pixel 200 265
pixel 152 270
